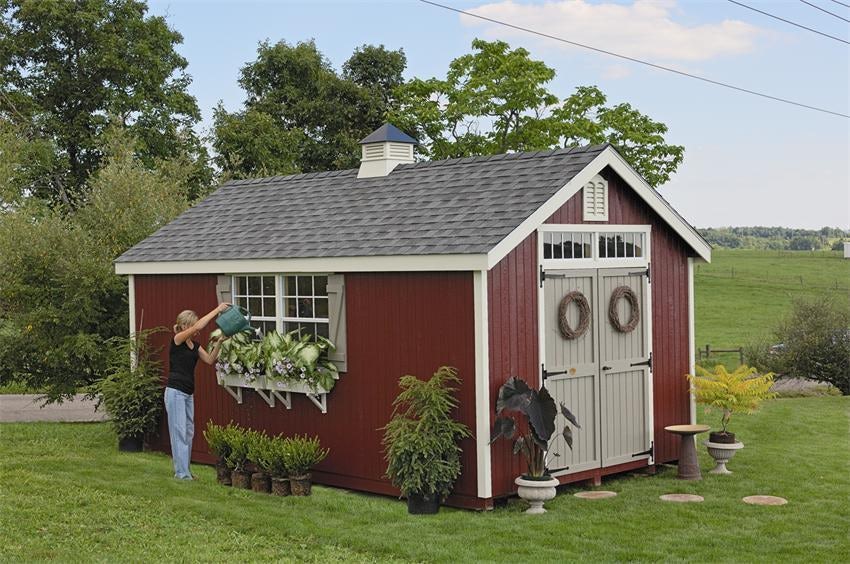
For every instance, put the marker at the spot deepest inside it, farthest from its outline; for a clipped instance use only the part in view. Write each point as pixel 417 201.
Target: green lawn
pixel 67 494
pixel 742 294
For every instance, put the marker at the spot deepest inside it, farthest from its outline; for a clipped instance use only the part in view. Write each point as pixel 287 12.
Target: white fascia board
pixel 406 263
pixel 608 157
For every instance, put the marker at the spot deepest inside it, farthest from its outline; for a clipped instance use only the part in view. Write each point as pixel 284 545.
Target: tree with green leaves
pixel 495 100
pixel 67 67
pixel 60 299
pixel 300 114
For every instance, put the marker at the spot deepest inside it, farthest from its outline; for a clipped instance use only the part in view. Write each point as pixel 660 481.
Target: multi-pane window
pixel 593 245
pixel 620 245
pixel 303 301
pixel 258 295
pixel 305 305
pixel 566 245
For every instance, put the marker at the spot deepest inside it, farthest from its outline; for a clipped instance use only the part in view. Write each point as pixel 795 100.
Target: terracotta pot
pixel 722 453
pixel 280 486
pixel 261 483
pixel 301 485
pixel 222 473
pixel 241 479
pixel 536 492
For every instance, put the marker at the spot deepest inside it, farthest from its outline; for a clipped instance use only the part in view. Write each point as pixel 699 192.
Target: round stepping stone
pixel 765 500
pixel 682 498
pixel 595 495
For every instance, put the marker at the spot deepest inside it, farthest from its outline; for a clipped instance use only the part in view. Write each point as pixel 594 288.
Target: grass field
pixel 742 294
pixel 68 495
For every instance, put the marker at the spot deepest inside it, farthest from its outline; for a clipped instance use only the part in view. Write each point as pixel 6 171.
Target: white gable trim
pixel 403 263
pixel 608 157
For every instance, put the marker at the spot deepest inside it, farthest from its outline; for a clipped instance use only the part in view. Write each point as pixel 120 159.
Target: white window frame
pixel 280 319
pixel 283 318
pixel 594 261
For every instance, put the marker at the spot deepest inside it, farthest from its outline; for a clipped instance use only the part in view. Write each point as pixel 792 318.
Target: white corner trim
pixel 608 157
pixel 401 263
pixel 482 385
pixel 131 302
pixel 691 339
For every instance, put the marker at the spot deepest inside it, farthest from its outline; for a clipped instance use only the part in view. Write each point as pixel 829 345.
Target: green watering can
pixel 232 321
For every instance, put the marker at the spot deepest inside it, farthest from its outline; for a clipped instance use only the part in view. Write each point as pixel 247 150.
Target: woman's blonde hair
pixel 185 319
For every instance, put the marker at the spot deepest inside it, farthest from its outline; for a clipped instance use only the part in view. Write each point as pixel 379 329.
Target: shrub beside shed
pixel 408 266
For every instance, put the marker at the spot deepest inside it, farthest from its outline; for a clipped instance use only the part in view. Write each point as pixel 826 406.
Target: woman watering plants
pixel 183 355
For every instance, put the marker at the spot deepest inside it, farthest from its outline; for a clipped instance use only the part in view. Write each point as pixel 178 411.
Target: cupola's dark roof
pixel 388 132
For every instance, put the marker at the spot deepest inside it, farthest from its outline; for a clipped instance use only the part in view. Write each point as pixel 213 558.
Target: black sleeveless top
pixel 181 362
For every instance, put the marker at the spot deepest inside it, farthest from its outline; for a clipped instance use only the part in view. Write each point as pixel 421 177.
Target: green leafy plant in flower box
pixel 290 359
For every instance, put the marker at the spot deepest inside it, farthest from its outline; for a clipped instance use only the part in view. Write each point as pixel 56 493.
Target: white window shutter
pixel 223 289
pixel 595 197
pixel 336 312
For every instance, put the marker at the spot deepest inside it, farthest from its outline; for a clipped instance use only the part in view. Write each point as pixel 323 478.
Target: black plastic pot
pixel 131 444
pixel 421 504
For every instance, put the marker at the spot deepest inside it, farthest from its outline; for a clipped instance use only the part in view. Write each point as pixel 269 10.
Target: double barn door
pixel 602 375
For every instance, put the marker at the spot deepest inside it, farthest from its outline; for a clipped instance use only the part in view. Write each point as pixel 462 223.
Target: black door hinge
pixel 643 273
pixel 650 451
pixel 545 373
pixel 544 275
pixel 647 362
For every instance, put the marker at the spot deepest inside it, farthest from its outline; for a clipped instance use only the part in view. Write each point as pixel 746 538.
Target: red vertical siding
pixel 512 303
pixel 514 331
pixel 397 323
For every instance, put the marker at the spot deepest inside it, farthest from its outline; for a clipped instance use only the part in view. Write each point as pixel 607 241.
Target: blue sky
pixel 748 160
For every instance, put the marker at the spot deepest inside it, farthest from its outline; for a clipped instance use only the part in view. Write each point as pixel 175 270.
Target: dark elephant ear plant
pixel 539 413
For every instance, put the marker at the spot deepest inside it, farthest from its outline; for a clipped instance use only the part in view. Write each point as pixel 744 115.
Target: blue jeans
pixel 181 428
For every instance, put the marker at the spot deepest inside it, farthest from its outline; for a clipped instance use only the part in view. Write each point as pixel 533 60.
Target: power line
pixel 841 3
pixel 788 21
pixel 816 7
pixel 634 60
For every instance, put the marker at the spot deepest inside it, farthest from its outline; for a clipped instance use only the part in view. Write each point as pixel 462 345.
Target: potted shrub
pixel 420 441
pixel 218 442
pixel 273 461
pixel 131 391
pixel 301 454
pixel 258 446
pixel 740 391
pixel 237 460
pixel 539 413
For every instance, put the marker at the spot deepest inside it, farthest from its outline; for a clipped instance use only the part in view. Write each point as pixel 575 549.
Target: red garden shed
pixel 408 266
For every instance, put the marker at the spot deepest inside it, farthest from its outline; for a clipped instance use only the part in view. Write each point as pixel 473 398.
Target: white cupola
pixel 383 150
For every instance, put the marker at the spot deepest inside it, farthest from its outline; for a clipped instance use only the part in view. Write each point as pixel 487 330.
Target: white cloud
pixel 643 29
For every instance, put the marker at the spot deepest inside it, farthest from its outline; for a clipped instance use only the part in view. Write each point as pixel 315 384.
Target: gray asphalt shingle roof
pixel 454 206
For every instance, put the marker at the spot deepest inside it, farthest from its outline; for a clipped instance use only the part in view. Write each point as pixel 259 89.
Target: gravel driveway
pixel 27 407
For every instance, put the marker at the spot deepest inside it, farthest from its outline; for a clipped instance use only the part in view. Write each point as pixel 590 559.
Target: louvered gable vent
pixel 595 194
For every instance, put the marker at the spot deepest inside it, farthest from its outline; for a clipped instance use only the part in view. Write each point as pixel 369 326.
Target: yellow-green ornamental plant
pixel 740 391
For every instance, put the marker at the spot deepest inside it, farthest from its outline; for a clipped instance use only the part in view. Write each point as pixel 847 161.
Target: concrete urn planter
pixel 722 453
pixel 536 492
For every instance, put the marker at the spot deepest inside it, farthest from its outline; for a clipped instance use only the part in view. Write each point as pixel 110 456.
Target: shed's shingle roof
pixel 454 206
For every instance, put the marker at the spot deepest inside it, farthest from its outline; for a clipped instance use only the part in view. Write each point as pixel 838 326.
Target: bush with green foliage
pixel 271 457
pixel 218 439
pixel 813 343
pixel 258 446
pixel 240 448
pixel 131 391
pixel 420 441
pixel 301 454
